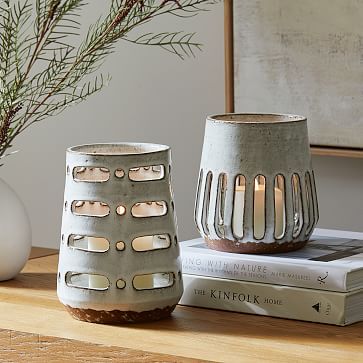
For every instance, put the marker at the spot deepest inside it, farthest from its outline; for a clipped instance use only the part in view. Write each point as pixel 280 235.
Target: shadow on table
pixel 217 323
pixel 32 280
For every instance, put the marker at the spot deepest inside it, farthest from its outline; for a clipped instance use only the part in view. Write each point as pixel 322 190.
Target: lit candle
pixel 96 244
pixel 279 213
pixel 154 172
pixel 147 243
pixel 259 211
pixel 238 210
pixel 144 244
pixel 149 209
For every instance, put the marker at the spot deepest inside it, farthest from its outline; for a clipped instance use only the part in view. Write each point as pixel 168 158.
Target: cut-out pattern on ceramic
pixel 113 224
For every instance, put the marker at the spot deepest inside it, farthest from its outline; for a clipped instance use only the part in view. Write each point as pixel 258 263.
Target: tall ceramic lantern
pixel 119 255
pixel 256 191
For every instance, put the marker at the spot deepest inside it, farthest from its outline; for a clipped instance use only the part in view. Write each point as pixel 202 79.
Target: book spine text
pixel 264 299
pixel 314 276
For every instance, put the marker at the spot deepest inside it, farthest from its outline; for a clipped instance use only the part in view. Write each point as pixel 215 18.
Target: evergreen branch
pixel 177 43
pixel 42 73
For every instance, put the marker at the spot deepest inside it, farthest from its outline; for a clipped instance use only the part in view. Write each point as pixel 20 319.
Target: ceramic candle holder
pixel 256 190
pixel 119 257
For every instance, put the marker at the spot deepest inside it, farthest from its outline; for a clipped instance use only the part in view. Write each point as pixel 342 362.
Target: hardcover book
pixel 332 260
pixel 321 306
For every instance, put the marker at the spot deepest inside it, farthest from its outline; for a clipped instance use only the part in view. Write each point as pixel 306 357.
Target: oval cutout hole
pixel 153 281
pixel 259 209
pixel 147 173
pixel 119 173
pixel 120 284
pixel 279 205
pixel 88 243
pixel 91 174
pixel 90 208
pixel 149 243
pixel 149 209
pixel 87 281
pixel 239 206
pixel 120 246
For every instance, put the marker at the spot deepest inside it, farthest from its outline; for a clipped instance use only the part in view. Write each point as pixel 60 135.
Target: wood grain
pixel 18 347
pixel 228 56
pixel 41 252
pixel 341 152
pixel 29 304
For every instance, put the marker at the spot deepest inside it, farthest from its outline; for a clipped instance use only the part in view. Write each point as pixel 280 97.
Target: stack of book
pixel 322 282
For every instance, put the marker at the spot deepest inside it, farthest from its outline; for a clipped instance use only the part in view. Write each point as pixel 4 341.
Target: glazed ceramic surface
pixel 120 192
pixel 15 236
pixel 250 146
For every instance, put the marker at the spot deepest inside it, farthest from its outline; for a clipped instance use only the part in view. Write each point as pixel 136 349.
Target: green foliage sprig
pixel 42 72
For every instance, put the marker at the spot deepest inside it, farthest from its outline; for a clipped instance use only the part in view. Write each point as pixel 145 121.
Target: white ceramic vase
pixel 15 233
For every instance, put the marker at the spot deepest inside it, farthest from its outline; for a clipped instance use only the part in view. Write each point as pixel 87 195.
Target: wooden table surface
pixel 34 327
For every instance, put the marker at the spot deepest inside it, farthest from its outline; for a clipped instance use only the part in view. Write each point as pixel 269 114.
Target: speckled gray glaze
pixel 115 264
pixel 251 145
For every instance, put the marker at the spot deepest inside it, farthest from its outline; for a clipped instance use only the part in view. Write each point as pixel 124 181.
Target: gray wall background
pixel 155 97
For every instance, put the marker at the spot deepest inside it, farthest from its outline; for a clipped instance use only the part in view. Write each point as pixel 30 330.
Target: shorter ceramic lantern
pixel 256 190
pixel 119 256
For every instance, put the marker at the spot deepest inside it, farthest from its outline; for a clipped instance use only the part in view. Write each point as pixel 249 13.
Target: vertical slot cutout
pixel 147 173
pixel 280 206
pixel 197 198
pixel 259 207
pixel 220 205
pixel 206 202
pixel 239 206
pixel 91 174
pixel 153 281
pixel 310 205
pixel 297 205
pixel 90 208
pixel 149 209
pixel 152 242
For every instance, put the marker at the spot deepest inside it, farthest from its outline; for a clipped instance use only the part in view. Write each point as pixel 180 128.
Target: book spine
pixel 321 277
pixel 263 299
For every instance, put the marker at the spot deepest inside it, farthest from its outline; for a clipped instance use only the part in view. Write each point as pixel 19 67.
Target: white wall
pixel 153 97
pixel 339 183
pixel 156 97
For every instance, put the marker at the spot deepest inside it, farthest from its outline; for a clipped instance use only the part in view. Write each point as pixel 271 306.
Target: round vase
pixel 119 257
pixel 15 233
pixel 256 191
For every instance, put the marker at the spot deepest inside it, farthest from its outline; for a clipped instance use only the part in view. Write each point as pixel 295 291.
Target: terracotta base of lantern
pixel 118 316
pixel 225 245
